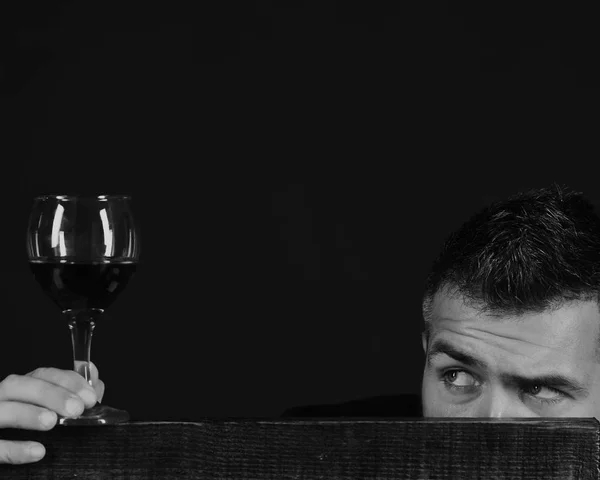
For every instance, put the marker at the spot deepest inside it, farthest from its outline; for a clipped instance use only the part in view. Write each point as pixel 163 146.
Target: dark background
pixel 295 167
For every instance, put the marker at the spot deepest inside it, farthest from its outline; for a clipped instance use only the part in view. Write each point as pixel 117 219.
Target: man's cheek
pixel 430 398
pixel 436 404
pixel 435 407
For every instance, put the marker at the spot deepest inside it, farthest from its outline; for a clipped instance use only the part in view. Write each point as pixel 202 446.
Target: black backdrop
pixel 295 166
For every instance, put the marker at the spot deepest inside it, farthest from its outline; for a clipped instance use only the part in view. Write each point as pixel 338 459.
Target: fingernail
pixel 36 451
pixel 48 418
pixel 74 406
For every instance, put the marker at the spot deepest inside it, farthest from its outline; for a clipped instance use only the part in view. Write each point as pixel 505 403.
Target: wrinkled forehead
pixel 571 328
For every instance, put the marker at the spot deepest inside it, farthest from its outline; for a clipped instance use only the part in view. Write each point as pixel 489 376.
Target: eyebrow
pixel 554 380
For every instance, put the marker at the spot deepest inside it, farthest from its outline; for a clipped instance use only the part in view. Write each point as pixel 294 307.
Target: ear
pixel 424 341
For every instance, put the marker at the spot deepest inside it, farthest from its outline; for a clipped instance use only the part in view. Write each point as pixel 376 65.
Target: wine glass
pixel 83 250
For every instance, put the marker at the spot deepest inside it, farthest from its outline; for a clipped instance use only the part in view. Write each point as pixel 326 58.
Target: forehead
pixel 569 332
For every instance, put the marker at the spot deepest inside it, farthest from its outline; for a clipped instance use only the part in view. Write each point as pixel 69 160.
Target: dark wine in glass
pixel 83 250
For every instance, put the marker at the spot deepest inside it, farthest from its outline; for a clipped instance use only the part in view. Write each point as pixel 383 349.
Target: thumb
pixel 96 382
pixel 94 373
pixel 80 367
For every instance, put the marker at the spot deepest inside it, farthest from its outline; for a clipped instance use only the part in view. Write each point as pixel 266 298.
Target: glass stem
pixel 81 324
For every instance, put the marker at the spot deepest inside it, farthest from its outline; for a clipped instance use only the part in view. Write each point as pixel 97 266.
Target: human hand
pixel 32 402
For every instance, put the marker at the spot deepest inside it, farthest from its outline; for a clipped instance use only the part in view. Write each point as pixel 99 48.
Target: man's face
pixel 528 366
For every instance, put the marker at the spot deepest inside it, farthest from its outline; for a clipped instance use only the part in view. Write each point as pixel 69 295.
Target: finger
pixel 70 380
pixel 96 382
pixel 21 452
pixel 26 389
pixel 99 390
pixel 26 416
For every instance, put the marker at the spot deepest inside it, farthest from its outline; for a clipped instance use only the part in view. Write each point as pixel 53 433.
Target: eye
pixel 545 394
pixel 459 380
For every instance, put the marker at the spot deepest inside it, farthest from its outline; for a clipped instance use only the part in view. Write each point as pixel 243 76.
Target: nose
pixel 503 404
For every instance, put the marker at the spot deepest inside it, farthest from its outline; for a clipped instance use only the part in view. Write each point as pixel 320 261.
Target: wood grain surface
pixel 318 449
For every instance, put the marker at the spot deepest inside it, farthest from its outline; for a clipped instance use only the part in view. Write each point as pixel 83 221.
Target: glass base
pixel 97 415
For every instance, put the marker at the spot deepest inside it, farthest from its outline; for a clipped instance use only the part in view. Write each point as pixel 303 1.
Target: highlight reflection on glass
pixel 83 251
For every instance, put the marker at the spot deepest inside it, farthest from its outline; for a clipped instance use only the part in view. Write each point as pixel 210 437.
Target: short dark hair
pixel 532 252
